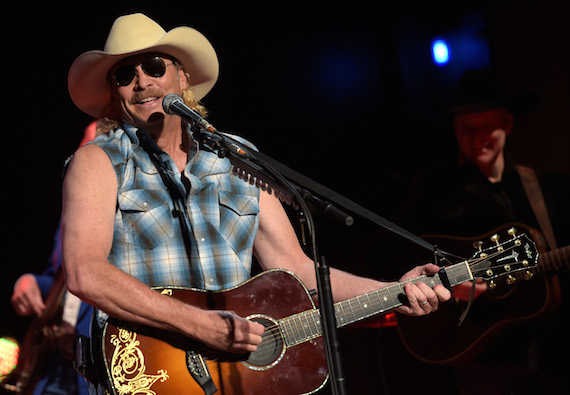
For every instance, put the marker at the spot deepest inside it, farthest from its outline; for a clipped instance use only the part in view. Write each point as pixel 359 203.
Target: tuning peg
pixel 528 275
pixel 492 284
pixel 513 232
pixel 496 238
pixel 511 280
pixel 478 245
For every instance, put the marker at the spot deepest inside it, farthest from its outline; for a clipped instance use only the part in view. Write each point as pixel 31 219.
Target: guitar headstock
pixel 517 253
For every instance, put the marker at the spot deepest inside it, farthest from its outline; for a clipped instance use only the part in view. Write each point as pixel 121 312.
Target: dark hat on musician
pixel 135 34
pixel 481 90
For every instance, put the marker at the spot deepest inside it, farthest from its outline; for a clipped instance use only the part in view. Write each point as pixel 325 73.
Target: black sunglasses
pixel 153 67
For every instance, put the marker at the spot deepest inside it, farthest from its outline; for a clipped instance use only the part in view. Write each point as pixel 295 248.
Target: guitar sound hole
pixel 270 350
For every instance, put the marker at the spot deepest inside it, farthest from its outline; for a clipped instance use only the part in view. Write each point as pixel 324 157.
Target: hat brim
pixel 518 104
pixel 90 88
pixel 477 107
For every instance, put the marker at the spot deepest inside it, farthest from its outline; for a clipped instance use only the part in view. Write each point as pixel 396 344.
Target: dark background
pixel 347 95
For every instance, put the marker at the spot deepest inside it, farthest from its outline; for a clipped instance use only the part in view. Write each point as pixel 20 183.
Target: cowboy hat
pixel 481 90
pixel 88 82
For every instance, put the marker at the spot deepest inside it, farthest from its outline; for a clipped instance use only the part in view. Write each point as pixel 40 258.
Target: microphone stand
pixel 292 187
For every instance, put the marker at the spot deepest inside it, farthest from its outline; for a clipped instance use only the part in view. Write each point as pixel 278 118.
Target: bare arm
pixel 89 202
pixel 276 246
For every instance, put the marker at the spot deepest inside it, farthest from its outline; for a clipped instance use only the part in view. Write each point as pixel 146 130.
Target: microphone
pixel 174 105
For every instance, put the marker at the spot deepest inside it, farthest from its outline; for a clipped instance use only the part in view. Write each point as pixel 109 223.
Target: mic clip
pixel 217 142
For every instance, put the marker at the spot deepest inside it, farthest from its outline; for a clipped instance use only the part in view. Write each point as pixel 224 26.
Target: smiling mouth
pixel 148 100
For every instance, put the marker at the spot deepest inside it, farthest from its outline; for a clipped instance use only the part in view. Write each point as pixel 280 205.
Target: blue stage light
pixel 440 52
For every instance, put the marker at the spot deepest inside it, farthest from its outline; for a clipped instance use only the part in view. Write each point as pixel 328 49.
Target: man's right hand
pixel 231 333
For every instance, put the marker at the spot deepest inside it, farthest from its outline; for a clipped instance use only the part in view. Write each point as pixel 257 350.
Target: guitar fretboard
pixel 305 326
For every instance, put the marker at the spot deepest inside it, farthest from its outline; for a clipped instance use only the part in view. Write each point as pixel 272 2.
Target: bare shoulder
pixel 90 164
pixel 90 176
pixel 89 156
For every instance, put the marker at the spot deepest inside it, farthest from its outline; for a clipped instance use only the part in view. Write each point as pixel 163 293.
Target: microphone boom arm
pixel 294 188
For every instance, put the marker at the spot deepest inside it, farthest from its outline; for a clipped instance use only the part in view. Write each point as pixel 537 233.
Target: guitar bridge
pixel 199 371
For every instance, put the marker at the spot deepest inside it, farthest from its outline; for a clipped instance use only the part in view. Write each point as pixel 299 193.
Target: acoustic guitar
pixel 527 296
pixel 291 359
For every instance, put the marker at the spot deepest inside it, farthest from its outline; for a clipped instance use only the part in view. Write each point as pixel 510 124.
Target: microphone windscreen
pixel 168 101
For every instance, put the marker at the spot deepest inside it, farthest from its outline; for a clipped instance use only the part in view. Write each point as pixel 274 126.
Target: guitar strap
pixel 150 147
pixel 534 194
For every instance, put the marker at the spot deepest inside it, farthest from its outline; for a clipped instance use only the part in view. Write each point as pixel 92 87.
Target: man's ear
pixel 183 79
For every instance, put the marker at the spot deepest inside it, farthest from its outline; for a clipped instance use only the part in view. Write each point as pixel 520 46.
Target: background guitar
pixel 495 311
pixel 44 335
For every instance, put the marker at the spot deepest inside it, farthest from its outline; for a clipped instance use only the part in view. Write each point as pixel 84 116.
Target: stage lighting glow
pixel 440 52
pixel 9 351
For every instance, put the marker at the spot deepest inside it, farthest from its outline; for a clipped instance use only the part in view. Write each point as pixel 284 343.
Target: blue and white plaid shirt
pixel 148 242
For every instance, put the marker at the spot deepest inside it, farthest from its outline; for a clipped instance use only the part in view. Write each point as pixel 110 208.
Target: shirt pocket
pixel 238 218
pixel 146 217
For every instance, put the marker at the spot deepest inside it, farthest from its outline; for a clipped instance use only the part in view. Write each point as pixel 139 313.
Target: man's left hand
pixel 422 299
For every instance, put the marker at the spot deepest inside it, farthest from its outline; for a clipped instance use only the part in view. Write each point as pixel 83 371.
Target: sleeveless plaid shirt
pixel 148 242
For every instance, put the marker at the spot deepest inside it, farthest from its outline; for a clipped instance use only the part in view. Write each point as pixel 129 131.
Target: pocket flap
pixel 240 204
pixel 142 199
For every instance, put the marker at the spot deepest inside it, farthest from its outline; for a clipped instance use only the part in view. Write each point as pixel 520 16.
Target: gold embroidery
pixel 128 366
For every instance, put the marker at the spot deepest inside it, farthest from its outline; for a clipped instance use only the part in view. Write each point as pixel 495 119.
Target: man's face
pixel 481 136
pixel 140 99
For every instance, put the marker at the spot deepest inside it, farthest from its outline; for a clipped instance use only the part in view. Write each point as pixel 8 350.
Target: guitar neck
pixel 553 260
pixel 304 326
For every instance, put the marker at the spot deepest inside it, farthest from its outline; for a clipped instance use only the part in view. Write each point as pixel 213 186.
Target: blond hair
pixel 111 118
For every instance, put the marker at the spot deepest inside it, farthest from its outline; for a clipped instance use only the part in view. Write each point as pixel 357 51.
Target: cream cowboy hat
pixel 134 34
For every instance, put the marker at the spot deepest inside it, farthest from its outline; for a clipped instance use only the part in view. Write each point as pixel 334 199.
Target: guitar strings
pixel 307 322
pixel 482 260
pixel 273 332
